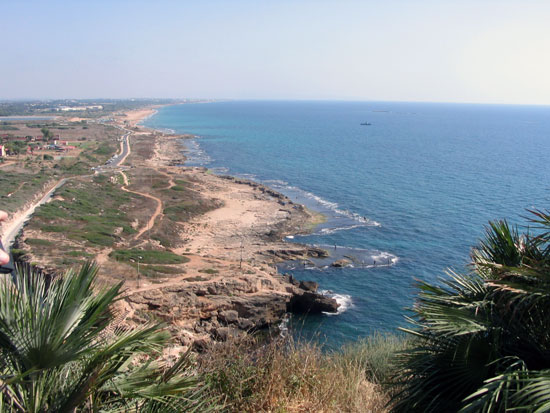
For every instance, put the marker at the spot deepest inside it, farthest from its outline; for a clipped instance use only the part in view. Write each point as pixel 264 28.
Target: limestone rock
pixel 228 316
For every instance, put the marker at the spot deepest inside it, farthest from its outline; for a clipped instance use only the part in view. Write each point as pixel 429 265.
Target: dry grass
pixel 285 376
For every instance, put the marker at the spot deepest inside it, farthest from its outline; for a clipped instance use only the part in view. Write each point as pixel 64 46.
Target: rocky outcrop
pixel 214 311
pixel 312 303
pixel 341 263
pixel 297 253
pixel 311 286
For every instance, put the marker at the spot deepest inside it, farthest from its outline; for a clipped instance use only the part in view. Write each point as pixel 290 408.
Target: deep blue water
pixel 406 197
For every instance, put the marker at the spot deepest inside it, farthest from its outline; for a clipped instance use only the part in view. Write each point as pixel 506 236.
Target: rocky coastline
pixel 228 234
pixel 244 300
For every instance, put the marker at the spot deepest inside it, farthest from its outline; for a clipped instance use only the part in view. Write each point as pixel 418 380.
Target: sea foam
pixel 344 300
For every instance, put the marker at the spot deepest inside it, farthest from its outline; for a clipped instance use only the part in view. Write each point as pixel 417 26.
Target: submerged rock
pixel 315 252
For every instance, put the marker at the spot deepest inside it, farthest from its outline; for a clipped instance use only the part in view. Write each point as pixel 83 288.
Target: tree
pixel 58 355
pixel 483 339
pixel 46 133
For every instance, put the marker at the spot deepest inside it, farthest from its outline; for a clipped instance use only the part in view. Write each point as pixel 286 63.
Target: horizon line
pixel 4 100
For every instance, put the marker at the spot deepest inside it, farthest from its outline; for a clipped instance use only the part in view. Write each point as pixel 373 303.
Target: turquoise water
pixel 406 197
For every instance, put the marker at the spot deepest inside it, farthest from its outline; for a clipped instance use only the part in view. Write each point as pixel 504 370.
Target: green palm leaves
pixel 483 339
pixel 56 354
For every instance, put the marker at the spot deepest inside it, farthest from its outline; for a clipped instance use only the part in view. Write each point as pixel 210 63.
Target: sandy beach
pixel 134 117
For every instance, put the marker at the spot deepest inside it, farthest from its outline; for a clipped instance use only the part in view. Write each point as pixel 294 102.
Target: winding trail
pixel 158 209
pixel 17 189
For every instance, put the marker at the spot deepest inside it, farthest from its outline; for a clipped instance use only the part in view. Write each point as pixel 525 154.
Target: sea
pixel 407 188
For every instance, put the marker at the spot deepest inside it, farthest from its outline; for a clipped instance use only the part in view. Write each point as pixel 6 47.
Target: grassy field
pixel 19 187
pixel 91 213
pixel 148 256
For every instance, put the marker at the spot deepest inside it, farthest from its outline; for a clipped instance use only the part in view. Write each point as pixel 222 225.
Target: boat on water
pixel 366 124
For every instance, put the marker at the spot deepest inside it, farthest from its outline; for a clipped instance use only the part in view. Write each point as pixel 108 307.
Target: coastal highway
pixel 13 229
pixel 121 157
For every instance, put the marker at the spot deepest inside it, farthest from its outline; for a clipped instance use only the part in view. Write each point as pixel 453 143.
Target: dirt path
pixel 124 178
pixel 17 189
pixel 158 209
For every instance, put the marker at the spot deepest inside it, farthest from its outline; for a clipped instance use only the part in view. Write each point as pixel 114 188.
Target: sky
pixel 481 51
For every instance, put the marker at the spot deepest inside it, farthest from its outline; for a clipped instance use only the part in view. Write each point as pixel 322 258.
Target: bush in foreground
pixel 58 355
pixel 483 339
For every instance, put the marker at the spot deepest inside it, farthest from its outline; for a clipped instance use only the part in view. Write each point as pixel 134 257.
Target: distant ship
pixel 366 124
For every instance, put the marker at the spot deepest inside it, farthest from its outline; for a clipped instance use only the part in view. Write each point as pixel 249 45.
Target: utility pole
pixel 241 260
pixel 139 259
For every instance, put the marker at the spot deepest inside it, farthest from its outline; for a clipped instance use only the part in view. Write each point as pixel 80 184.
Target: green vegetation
pixel 209 271
pixel 179 188
pixel 38 242
pixel 7 126
pixel 46 133
pixel 483 339
pixel 16 147
pixel 15 188
pixel 148 256
pixel 181 211
pixel 105 149
pixel 58 354
pixel 87 211
pixel 164 269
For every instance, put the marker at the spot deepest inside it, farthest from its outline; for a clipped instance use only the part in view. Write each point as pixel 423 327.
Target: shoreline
pixel 317 217
pixel 233 249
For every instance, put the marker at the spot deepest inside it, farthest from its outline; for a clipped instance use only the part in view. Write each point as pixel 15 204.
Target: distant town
pixel 89 107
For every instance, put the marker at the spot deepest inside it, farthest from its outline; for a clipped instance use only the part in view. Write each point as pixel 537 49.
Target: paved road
pixel 125 151
pixel 12 231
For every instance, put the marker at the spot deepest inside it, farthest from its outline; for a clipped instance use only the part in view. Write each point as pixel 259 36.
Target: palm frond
pixel 54 357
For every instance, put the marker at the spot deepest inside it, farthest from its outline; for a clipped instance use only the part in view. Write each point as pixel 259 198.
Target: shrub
pixel 58 354
pixel 38 242
pixel 250 375
pixel 483 339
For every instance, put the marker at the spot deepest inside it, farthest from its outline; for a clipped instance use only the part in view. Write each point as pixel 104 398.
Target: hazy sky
pixel 458 51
